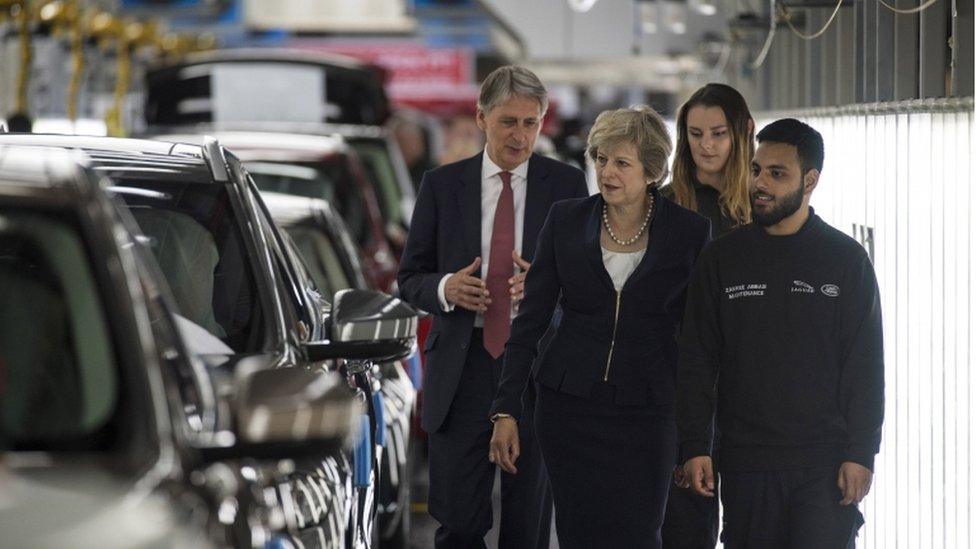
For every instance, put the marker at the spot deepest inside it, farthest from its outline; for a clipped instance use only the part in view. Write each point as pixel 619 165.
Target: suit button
pixel 464 346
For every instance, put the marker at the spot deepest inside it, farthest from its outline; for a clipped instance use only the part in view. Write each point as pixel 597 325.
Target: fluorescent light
pixel 580 6
pixel 704 7
pixel 648 13
pixel 675 17
pixel 81 126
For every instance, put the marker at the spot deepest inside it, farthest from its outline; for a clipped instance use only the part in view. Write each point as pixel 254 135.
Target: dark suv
pixel 322 240
pixel 110 429
pixel 233 279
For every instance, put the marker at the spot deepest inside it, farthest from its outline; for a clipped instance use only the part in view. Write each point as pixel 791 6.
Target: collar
pixel 699 186
pixel 810 226
pixel 489 169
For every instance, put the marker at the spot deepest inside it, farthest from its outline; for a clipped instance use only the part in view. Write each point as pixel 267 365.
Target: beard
pixel 781 209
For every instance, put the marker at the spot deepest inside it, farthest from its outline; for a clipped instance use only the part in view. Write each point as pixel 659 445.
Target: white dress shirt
pixel 491 189
pixel 620 265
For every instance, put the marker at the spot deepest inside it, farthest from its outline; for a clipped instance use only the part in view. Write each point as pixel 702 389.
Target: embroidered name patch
pixel 745 290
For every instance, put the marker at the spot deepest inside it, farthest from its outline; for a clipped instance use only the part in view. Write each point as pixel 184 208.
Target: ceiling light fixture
pixel 704 7
pixel 581 6
pixel 675 17
pixel 648 15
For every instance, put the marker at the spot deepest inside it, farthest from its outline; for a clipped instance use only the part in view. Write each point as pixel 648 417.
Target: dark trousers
pixel 461 477
pixel 610 467
pixel 796 509
pixel 691 521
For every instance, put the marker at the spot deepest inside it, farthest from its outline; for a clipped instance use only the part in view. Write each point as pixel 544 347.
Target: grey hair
pixel 640 126
pixel 504 82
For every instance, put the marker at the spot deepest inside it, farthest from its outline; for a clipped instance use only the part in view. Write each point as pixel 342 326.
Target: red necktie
pixel 498 318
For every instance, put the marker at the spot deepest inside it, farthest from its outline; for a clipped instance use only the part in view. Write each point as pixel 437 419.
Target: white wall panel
pixel 903 172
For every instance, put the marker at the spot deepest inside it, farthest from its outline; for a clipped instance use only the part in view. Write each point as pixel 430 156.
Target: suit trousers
pixel 461 477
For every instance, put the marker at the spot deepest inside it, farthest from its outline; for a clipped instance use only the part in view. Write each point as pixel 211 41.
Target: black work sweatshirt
pixel 782 339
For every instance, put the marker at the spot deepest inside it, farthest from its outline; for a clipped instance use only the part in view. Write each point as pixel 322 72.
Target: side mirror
pixel 291 413
pixel 367 325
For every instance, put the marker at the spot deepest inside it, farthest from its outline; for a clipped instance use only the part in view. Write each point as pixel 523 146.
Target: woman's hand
pixel 504 448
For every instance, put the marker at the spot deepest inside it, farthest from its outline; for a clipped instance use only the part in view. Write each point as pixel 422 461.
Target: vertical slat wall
pixel 904 173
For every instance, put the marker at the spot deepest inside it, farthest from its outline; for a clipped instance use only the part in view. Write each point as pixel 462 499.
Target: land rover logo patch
pixel 830 290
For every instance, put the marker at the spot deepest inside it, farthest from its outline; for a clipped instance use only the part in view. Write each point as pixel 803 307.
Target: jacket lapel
pixel 469 202
pixel 591 243
pixel 658 242
pixel 537 203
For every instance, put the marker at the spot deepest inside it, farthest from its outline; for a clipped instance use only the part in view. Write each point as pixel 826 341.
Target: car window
pixel 330 180
pixel 59 379
pixel 197 241
pixel 321 258
pixel 290 273
pixel 176 337
pixel 348 250
pixel 379 169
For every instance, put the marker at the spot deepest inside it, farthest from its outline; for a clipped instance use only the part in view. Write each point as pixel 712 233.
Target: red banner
pixel 415 72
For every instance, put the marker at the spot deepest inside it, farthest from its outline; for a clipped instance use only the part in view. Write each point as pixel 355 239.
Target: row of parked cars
pixel 195 346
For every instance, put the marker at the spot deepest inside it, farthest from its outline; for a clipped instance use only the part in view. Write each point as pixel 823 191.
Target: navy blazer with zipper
pixel 626 338
pixel 445 237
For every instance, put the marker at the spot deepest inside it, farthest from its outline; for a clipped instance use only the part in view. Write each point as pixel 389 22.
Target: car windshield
pixel 59 379
pixel 196 238
pixel 379 168
pixel 329 179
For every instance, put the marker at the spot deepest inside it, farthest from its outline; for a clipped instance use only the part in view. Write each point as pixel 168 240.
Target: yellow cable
pixel 26 57
pixel 77 60
pixel 113 118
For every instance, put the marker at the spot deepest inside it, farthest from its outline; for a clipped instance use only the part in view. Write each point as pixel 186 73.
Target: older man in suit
pixel 471 240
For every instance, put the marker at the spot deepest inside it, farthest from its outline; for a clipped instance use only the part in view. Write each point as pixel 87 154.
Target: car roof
pixel 233 140
pixel 127 158
pixel 345 131
pixel 39 167
pixel 277 55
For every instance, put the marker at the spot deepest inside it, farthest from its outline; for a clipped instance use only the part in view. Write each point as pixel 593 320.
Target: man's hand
pixel 467 291
pixel 517 282
pixel 698 476
pixel 679 477
pixel 854 481
pixel 504 447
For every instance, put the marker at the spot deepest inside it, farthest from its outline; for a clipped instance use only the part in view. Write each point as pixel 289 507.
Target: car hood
pixel 86 506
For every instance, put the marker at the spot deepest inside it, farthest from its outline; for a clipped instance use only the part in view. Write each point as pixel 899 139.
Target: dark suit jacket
pixel 568 268
pixel 444 237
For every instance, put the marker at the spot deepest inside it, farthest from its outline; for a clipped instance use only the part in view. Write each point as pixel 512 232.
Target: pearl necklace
pixel 636 237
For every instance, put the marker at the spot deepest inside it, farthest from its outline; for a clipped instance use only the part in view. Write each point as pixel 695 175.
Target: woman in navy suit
pixel 617 263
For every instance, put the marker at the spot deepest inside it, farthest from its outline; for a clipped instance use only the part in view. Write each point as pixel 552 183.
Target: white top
pixel 491 189
pixel 619 265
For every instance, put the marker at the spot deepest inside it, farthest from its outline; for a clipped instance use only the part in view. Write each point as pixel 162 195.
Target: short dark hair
pixel 808 141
